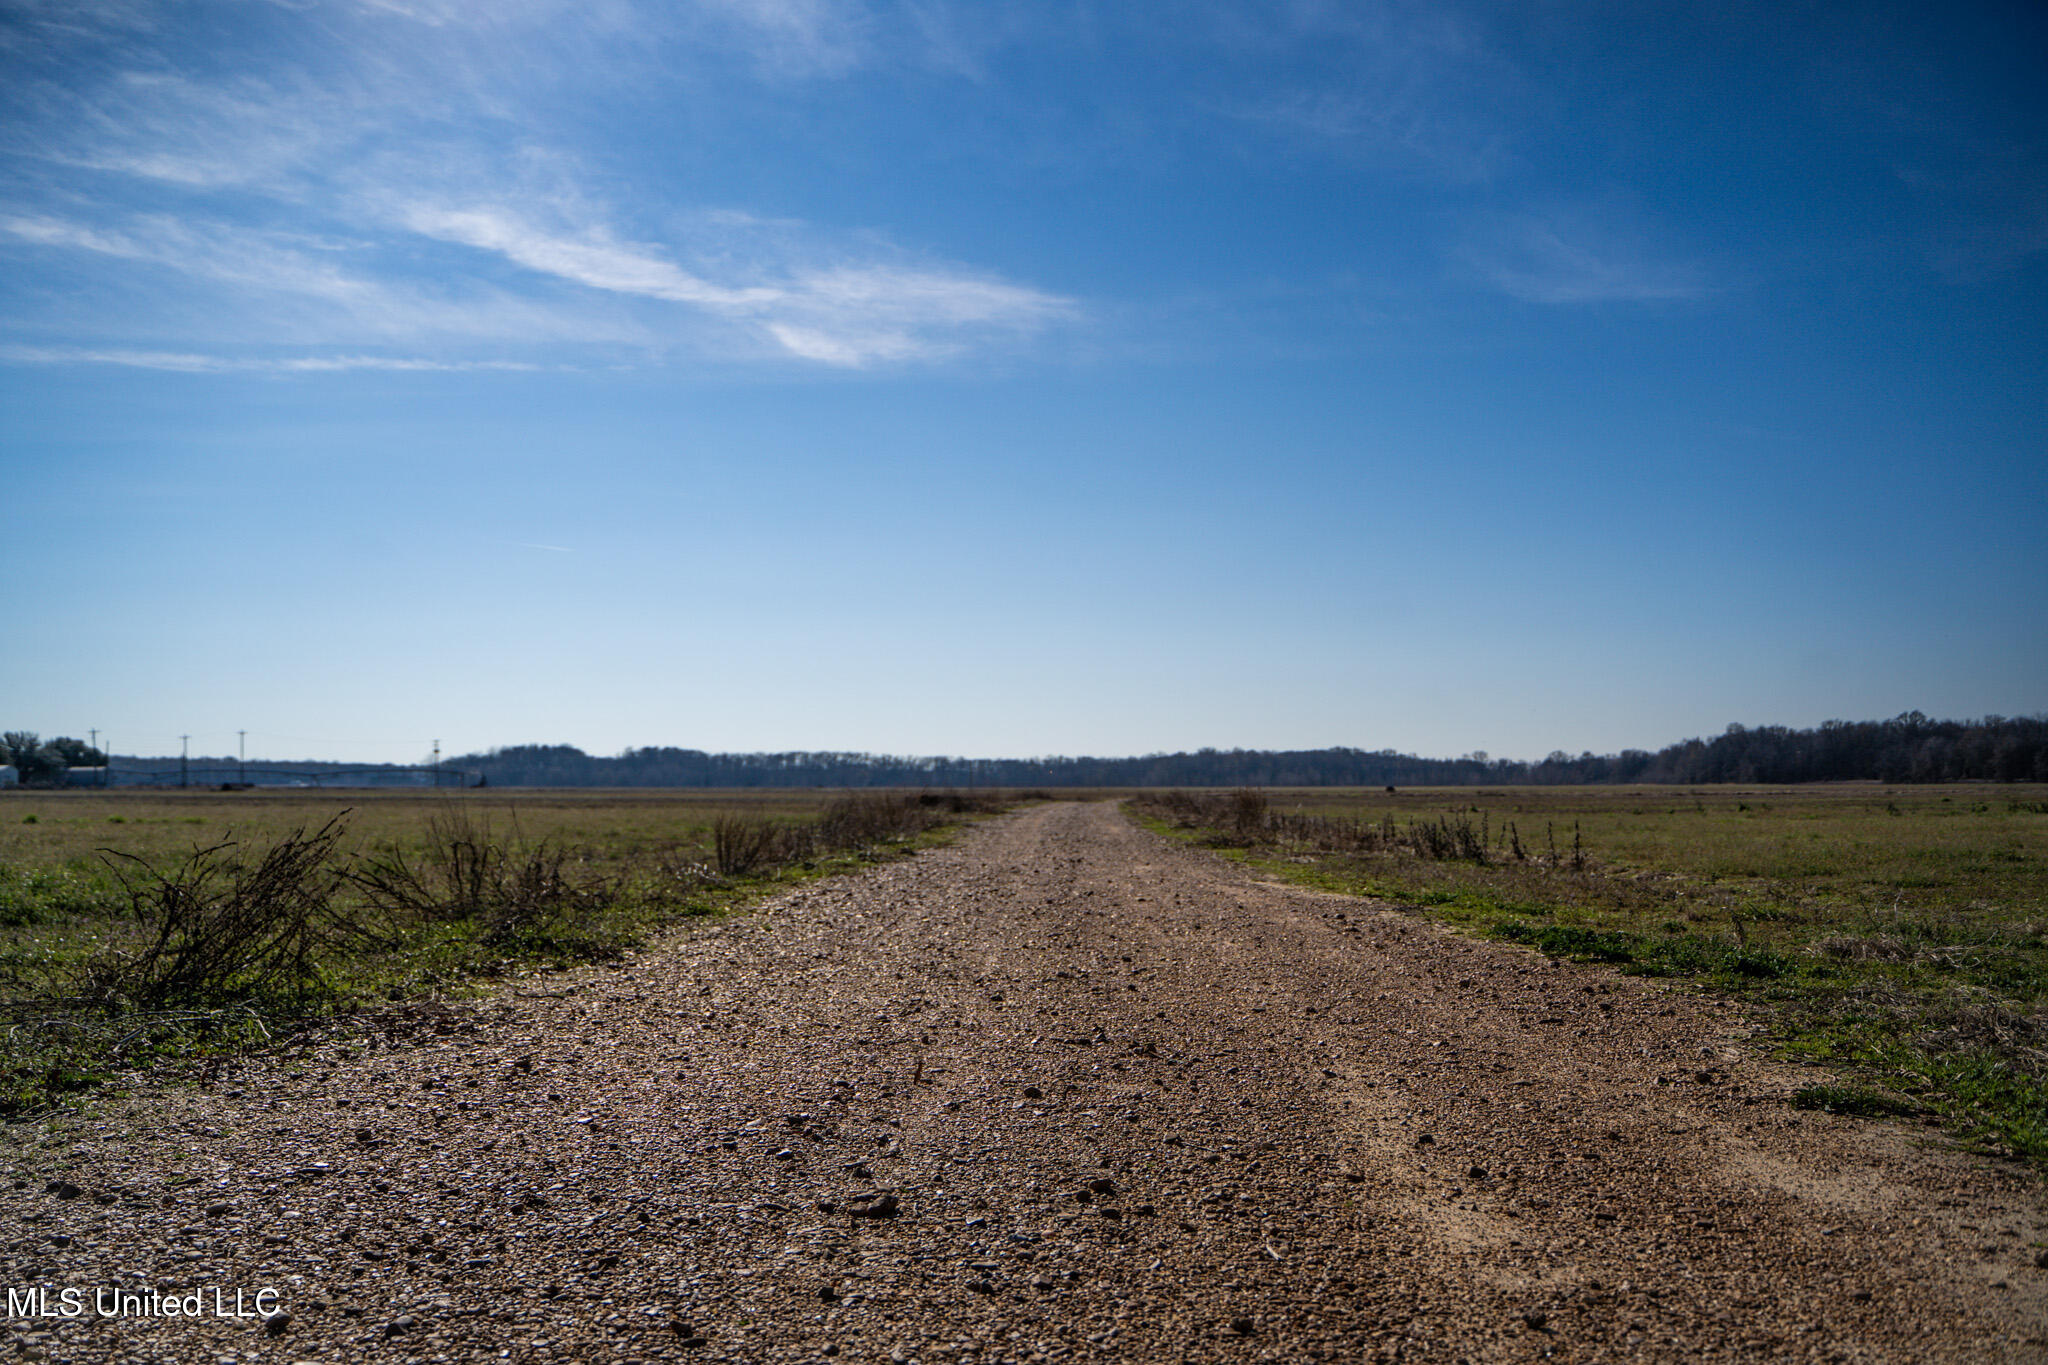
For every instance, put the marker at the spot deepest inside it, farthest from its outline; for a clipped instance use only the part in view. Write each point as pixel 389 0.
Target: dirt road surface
pixel 1062 1091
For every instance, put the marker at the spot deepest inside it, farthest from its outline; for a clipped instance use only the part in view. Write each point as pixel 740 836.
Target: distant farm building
pixel 9 777
pixel 85 777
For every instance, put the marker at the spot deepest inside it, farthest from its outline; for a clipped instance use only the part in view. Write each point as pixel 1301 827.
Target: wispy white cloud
pixel 170 128
pixel 42 231
pixel 869 345
pixel 292 189
pixel 826 310
pixel 595 258
pixel 287 288
pixel 186 361
pixel 39 23
pixel 192 362
pixel 783 39
pixel 214 250
pixel 849 304
pixel 1579 255
pixel 323 364
pixel 861 315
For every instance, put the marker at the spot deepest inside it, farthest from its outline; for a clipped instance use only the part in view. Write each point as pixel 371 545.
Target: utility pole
pixel 241 759
pixel 184 754
pixel 437 763
pixel 93 738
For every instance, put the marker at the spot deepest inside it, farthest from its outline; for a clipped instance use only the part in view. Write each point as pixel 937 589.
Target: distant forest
pixel 1908 748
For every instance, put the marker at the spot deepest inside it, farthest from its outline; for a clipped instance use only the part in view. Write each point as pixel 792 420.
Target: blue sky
pixel 1005 378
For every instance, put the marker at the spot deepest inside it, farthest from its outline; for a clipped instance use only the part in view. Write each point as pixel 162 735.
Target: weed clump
pixel 1570 941
pixel 741 843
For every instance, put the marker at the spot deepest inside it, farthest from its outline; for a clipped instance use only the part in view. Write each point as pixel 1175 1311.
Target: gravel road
pixel 1061 1091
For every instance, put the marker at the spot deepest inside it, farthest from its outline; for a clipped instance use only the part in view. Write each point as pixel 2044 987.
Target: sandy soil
pixel 1062 1091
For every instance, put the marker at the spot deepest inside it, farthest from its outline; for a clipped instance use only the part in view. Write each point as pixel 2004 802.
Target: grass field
pixel 1898 935
pixel 140 930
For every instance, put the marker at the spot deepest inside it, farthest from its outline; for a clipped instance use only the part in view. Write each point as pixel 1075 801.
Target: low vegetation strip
pixel 137 931
pixel 1900 937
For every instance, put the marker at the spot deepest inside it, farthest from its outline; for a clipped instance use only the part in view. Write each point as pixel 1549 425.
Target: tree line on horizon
pixel 1907 748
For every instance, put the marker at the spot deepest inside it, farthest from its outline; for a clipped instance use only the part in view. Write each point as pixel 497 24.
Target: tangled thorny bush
pixel 455 876
pixel 861 818
pixel 742 843
pixel 222 925
pixel 507 888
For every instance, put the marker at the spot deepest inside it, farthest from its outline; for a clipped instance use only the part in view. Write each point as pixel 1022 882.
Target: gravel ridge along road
pixel 1061 1091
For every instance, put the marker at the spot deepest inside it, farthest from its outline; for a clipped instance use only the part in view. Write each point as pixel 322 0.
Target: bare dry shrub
pixel 797 844
pixel 453 878
pixel 1448 840
pixel 509 889
pixel 742 843
pixel 536 898
pixel 223 927
pixel 862 818
pixel 1247 810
